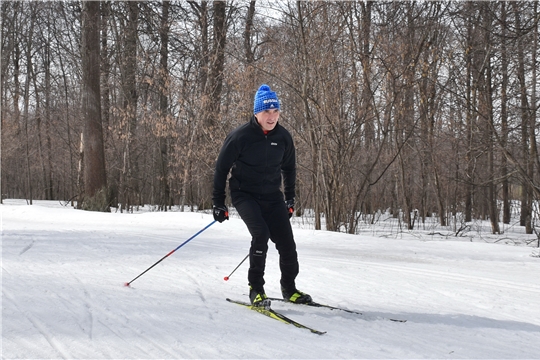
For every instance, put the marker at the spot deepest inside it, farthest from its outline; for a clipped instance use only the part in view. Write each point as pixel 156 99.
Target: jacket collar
pixel 253 121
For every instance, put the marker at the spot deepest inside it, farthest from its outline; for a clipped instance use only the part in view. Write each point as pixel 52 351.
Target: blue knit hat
pixel 265 99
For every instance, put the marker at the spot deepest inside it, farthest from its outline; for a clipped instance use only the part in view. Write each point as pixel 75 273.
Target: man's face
pixel 268 119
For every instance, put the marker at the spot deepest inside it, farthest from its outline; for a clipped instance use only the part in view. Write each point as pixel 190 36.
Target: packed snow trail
pixel 63 272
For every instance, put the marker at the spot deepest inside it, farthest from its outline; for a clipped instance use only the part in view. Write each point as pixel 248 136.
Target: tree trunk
pixel 95 181
pixel 488 108
pixel 249 51
pixel 105 64
pixel 405 122
pixel 48 156
pixel 526 199
pixel 216 65
pixel 504 116
pixel 128 182
pixel 29 72
pixel 469 176
pixel 534 164
pixel 164 189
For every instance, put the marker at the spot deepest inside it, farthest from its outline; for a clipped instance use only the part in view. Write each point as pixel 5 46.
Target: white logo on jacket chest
pixel 273 144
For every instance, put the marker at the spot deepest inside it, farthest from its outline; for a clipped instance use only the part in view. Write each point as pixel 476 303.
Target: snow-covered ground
pixel 63 272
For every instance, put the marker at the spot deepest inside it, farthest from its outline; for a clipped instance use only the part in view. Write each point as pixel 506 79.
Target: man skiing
pixel 260 155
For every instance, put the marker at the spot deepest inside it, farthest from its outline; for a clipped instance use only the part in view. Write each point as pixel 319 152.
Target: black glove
pixel 290 207
pixel 221 213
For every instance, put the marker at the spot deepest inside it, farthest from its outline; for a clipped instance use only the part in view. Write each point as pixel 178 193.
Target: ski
pixel 316 304
pixel 275 315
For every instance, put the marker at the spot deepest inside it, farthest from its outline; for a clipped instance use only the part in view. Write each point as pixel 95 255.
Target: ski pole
pixel 170 253
pixel 241 262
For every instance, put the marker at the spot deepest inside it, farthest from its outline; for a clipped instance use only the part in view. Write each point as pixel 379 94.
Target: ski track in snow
pixel 461 285
pixel 42 328
pixel 63 271
pixel 28 247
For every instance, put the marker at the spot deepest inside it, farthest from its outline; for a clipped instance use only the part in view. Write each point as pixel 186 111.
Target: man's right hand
pixel 221 213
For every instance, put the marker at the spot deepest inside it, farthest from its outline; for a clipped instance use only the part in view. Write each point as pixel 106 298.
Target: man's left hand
pixel 290 207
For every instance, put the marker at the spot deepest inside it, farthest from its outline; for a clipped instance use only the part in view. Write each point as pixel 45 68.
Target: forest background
pixel 418 109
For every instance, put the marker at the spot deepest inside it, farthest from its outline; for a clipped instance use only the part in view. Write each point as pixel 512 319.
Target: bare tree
pixel 486 107
pixel 504 114
pixel 26 111
pixel 527 145
pixel 165 192
pixel 128 186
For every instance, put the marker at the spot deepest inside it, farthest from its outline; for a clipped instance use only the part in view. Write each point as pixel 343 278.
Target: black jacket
pixel 256 161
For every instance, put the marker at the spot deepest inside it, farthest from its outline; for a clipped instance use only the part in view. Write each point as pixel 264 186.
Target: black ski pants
pixel 266 217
